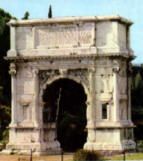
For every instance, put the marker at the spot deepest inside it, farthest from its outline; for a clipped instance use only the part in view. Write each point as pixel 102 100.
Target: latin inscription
pixel 64 36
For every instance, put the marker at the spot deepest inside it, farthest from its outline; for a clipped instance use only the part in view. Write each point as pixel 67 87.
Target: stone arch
pixel 51 80
pixel 44 106
pixel 78 80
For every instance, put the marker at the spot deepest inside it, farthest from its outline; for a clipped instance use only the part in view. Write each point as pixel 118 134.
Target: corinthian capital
pixel 12 69
pixel 92 70
pixel 116 67
pixel 35 72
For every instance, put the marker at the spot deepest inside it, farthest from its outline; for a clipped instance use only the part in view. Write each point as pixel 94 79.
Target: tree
pixel 138 81
pixel 50 12
pixel 1 25
pixel 26 16
pixel 4 65
pixel 4 76
pixel 137 100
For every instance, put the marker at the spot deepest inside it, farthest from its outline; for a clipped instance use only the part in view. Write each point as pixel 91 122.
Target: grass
pixel 129 156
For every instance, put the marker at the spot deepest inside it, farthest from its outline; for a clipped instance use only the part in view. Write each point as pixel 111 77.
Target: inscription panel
pixel 71 35
pixel 53 36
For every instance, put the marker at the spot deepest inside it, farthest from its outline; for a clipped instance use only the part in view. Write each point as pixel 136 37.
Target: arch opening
pixel 65 105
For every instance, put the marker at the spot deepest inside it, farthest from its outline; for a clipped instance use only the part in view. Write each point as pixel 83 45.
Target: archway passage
pixel 65 100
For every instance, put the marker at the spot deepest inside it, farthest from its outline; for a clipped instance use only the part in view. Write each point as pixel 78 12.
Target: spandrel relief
pixel 47 75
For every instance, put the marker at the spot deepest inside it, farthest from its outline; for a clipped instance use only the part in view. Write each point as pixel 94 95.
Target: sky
pixel 131 9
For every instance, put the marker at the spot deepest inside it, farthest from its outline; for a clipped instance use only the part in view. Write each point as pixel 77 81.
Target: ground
pixel 69 157
pixel 129 156
pixel 41 158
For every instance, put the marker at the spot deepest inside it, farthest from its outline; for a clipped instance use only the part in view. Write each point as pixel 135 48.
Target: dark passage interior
pixel 65 103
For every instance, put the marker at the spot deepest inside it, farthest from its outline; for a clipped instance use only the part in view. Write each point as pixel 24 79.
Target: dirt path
pixel 40 158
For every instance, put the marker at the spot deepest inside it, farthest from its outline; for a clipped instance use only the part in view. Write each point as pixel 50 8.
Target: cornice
pixel 70 20
pixel 60 57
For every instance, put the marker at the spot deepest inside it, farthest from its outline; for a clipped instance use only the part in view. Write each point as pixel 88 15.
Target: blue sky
pixel 131 9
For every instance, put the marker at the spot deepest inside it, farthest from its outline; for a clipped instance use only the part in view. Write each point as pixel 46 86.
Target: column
pixel 36 98
pixel 129 100
pixel 12 72
pixel 91 107
pixel 129 93
pixel 116 94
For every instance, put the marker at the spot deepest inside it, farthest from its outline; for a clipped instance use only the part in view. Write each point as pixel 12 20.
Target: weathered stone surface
pixel 92 51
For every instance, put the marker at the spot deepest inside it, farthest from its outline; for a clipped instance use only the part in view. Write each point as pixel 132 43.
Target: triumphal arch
pixel 91 51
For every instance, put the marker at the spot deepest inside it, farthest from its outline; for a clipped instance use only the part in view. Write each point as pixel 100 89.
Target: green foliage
pixel 138 81
pixel 1 25
pixel 86 155
pixel 4 122
pixel 4 76
pixel 4 65
pixel 26 16
pixel 50 12
pixel 137 86
pixel 137 100
pixel 4 18
pixel 139 145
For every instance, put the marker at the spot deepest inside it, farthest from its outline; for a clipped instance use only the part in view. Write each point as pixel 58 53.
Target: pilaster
pixel 129 93
pixel 116 94
pixel 91 109
pixel 36 98
pixel 91 106
pixel 12 72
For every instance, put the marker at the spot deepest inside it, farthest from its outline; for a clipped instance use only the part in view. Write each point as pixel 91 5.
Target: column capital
pixel 35 71
pixel 12 69
pixel 116 66
pixel 116 69
pixel 91 70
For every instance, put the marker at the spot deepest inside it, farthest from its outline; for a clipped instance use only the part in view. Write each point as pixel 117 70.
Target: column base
pixel 99 146
pixel 11 52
